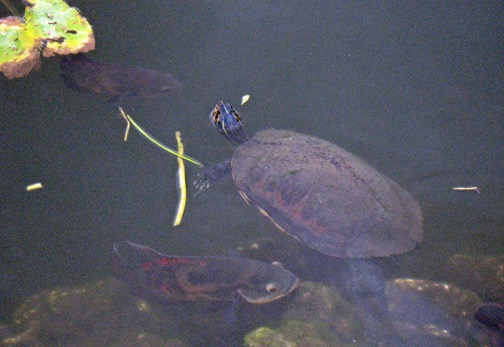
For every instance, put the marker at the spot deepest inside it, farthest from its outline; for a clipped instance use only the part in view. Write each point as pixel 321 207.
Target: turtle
pixel 317 192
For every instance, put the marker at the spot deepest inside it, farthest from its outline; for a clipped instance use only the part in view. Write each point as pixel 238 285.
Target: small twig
pixel 128 123
pixel 157 143
pixel 181 182
pixel 467 189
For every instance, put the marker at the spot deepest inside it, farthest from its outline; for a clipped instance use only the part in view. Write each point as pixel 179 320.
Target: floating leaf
pixel 61 27
pixel 51 27
pixel 18 55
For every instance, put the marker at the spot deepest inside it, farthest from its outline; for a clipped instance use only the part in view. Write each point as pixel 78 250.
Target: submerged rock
pixel 106 314
pixel 441 313
pixel 317 316
pixel 327 309
pixel 290 334
pixel 417 313
pixel 483 275
pixel 265 337
pixel 99 314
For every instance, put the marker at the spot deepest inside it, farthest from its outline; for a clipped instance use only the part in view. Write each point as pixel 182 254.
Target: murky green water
pixel 415 90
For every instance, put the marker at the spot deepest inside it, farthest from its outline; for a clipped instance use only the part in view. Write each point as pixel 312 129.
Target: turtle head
pixel 228 121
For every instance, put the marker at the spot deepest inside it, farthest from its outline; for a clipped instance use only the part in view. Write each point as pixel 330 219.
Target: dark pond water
pixel 414 89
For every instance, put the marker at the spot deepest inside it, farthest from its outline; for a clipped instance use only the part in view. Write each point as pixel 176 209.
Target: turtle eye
pixel 271 287
pixel 216 117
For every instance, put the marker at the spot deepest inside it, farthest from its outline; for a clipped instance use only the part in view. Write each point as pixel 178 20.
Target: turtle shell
pixel 326 197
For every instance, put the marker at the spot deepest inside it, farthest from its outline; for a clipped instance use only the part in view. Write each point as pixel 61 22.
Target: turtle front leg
pixel 211 175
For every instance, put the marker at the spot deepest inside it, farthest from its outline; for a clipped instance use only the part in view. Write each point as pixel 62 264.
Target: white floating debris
pixel 34 186
pixel 245 98
pixel 467 189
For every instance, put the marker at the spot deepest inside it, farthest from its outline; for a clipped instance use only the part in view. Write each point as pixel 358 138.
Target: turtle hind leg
pixel 211 175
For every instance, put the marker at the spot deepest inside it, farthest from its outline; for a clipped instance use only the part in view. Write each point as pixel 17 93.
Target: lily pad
pixel 18 55
pixel 61 27
pixel 49 26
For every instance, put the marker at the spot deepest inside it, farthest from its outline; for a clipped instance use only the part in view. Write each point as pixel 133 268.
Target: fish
pixel 80 73
pixel 170 278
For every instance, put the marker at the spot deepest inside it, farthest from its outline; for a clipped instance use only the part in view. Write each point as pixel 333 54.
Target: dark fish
pixel 85 75
pixel 189 278
pixel 492 316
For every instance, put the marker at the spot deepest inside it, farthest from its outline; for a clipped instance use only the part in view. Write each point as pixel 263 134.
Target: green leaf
pixel 60 26
pixel 18 53
pixel 51 27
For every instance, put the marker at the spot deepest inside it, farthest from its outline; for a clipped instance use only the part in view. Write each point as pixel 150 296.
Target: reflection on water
pixel 412 89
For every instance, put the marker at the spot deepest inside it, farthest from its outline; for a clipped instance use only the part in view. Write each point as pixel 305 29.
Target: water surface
pixel 414 89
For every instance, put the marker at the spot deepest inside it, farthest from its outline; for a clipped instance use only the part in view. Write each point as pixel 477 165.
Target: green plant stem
pixel 12 9
pixel 160 145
